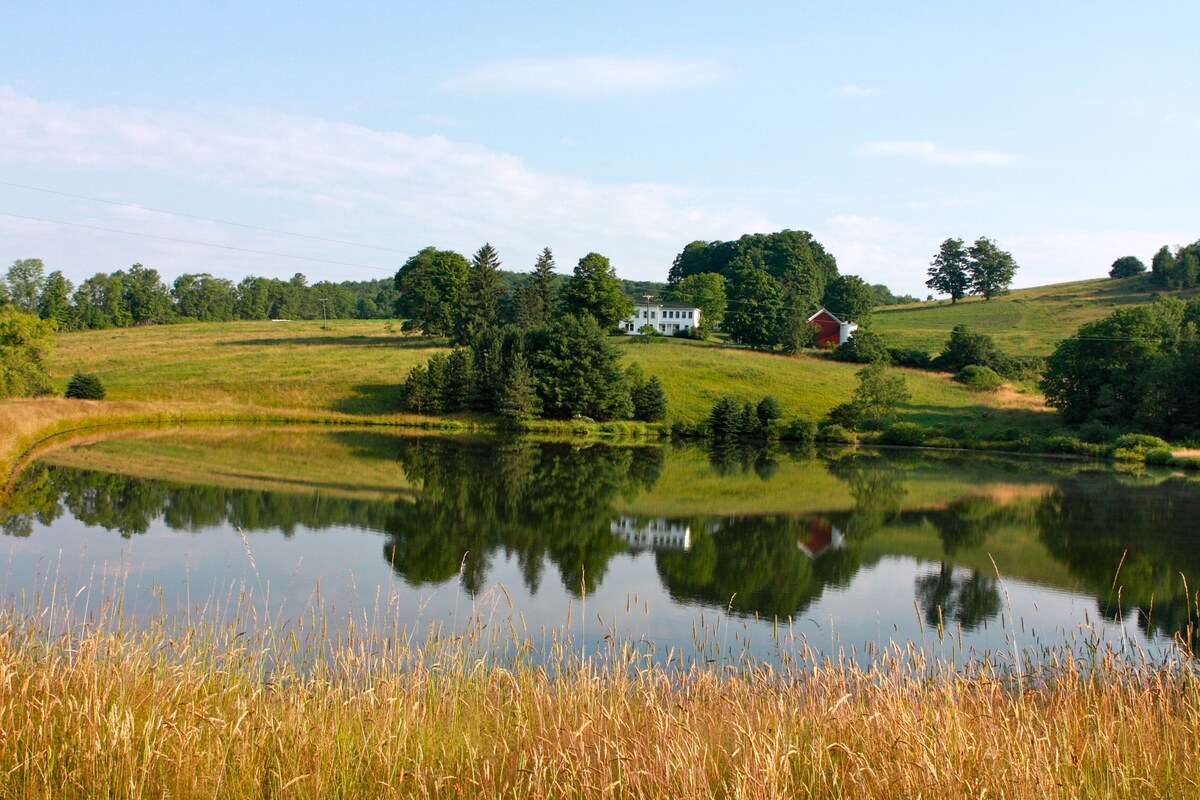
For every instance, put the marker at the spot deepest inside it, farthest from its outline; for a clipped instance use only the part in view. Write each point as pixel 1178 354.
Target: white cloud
pixel 322 178
pixel 933 153
pixel 850 90
pixel 596 76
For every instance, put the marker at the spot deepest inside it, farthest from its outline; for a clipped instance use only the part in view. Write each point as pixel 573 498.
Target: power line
pixel 198 243
pixel 203 219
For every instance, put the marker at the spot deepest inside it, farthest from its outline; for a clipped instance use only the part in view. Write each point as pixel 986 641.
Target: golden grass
pixel 104 710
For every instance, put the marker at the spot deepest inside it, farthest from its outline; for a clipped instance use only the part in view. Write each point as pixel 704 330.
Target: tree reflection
pixel 955 595
pixel 1133 543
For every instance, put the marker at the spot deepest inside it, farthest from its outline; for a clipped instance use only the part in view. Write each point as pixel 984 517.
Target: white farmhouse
pixel 665 318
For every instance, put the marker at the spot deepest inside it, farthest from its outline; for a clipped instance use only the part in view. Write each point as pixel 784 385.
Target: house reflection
pixel 658 533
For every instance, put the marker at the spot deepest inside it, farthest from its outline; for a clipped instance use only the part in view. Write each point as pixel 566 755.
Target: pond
pixel 714 556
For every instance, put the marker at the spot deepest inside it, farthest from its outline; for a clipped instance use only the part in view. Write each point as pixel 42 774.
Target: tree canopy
pixel 1138 365
pixel 1126 267
pixel 948 270
pixel 991 269
pixel 432 286
pixel 596 290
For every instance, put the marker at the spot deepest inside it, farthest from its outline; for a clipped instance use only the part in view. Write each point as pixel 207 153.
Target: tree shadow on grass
pixel 407 342
pixel 370 399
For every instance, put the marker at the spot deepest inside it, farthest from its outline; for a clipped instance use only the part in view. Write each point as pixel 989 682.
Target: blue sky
pixel 1068 132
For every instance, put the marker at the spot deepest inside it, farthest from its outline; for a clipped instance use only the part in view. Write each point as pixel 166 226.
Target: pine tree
pixel 649 400
pixel 518 399
pixel 481 309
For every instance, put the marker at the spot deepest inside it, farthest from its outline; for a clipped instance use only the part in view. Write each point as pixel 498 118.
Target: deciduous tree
pixel 596 290
pixel 432 286
pixel 948 271
pixel 991 269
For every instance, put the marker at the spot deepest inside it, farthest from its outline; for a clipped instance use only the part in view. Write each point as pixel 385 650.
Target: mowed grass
pixel 352 366
pixel 1026 322
pixel 356 368
pixel 808 386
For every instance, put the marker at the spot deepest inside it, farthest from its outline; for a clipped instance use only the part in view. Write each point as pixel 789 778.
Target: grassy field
pixel 354 368
pixel 1025 322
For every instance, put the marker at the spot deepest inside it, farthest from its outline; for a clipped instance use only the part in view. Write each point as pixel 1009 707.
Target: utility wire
pixel 202 219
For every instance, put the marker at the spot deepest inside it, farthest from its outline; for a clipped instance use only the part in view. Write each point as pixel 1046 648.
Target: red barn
pixel 831 331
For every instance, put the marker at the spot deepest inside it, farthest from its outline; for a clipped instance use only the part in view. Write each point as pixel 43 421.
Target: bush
pixel 1160 456
pixel 846 415
pixel 1141 443
pixel 86 386
pixel 904 434
pixel 979 378
pixel 800 430
pixel 1096 433
pixel 910 357
pixel 863 347
pixel 836 434
pixel 944 442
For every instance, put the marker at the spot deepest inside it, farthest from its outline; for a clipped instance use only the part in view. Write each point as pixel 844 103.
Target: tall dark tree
pixel 756 309
pixel 849 298
pixel 991 269
pixel 485 290
pixel 55 300
pixel 948 271
pixel 146 296
pixel 579 370
pixel 536 300
pixel 432 286
pixel 596 290
pixel 1162 265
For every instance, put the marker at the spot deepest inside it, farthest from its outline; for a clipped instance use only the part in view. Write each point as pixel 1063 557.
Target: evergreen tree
pixel 578 370
pixel 948 271
pixel 725 419
pixel 537 299
pixel 460 382
pixel 649 400
pixel 518 398
pixel 481 306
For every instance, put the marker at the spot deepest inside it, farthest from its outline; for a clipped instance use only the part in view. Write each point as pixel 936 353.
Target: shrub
pixel 1160 456
pixel 979 378
pixel 904 434
pixel 1096 433
pixel 1141 443
pixel 836 434
pixel 910 357
pixel 863 347
pixel 846 415
pixel 800 430
pixel 86 386
pixel 944 442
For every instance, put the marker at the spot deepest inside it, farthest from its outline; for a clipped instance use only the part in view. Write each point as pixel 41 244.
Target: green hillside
pixel 1025 322
pixel 355 367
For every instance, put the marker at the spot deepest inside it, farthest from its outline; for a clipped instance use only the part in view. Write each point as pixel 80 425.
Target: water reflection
pixel 479 504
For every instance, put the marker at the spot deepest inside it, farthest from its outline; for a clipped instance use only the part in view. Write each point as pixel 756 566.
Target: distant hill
pixel 1024 322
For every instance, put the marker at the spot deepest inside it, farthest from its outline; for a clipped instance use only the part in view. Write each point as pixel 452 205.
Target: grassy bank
pixel 201 712
pixel 1026 322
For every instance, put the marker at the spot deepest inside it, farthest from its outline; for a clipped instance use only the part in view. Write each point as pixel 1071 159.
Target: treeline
pixel 1179 269
pixel 772 284
pixel 138 296
pixel 1138 367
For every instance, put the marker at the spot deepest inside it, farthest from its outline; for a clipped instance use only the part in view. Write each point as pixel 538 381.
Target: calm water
pixel 750 551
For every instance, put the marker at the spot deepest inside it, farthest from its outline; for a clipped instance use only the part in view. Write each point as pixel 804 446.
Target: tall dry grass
pixel 92 705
